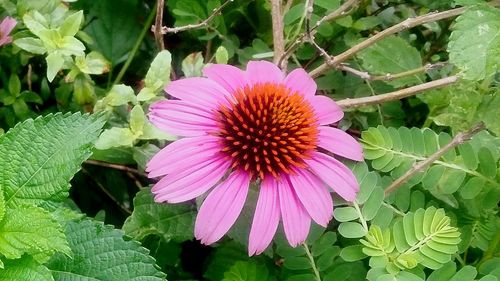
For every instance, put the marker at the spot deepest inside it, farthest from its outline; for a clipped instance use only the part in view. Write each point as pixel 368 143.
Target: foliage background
pixel 78 79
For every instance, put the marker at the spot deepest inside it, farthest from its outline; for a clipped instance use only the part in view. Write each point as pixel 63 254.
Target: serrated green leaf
pixel 170 221
pixel 392 55
pixel 31 230
pixel 25 268
pixel 39 157
pixel 101 253
pixel 475 42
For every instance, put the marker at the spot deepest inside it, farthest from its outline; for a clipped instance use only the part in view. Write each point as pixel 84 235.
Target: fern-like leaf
pixel 39 157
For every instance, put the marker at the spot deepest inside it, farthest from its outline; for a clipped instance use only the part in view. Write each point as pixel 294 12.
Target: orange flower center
pixel 268 130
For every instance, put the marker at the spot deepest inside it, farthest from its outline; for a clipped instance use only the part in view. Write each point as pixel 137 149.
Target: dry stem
pixel 397 95
pixel 389 76
pixel 420 166
pixel 406 24
pixel 115 166
pixel 278 37
pixel 160 4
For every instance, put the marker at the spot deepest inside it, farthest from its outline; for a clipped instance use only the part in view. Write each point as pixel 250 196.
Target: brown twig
pixel 160 4
pixel 420 166
pixel 201 24
pixel 389 76
pixel 278 37
pixel 406 24
pixel 340 12
pixel 397 95
pixel 115 166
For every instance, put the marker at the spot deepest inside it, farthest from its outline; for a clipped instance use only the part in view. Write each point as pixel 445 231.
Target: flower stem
pixel 147 26
pixel 311 261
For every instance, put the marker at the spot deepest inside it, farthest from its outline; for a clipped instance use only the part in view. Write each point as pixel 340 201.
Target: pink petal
pixel 228 76
pixel 334 174
pixel 266 218
pixel 296 221
pixel 314 196
pixel 7 25
pixel 183 185
pixel 221 208
pixel 182 118
pixel 340 143
pixel 264 71
pixel 299 81
pixel 182 154
pixel 199 90
pixel 327 111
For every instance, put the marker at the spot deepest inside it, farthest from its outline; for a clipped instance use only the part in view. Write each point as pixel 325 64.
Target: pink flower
pixel 6 27
pixel 253 126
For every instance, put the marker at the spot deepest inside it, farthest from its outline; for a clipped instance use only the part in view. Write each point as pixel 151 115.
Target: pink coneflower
pixel 6 27
pixel 253 126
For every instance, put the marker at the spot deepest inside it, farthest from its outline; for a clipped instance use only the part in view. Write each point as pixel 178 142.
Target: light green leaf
pixel 392 55
pixel 101 253
pixel 115 137
pixel 146 94
pixel 143 154
pixel 170 221
pixel 2 204
pixel 117 96
pixel 55 62
pixel 31 230
pixel 39 157
pixel 467 273
pixel 30 44
pixel 25 269
pixel 35 22
pixel 344 214
pixel 475 42
pixel 71 24
pixel 137 120
pixel 372 205
pixel 150 132
pixel 93 63
pixel 192 65
pixel 159 72
pixel 221 55
pixel 351 230
pixel 69 45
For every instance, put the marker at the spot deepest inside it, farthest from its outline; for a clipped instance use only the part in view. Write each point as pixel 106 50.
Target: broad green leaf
pixel 297 263
pixel 169 221
pixel 475 42
pixel 115 137
pixel 71 24
pixel 35 22
pixel 31 230
pixel 39 157
pixel 159 72
pixel 390 56
pixel 102 253
pixel 2 204
pixel 248 271
pixel 30 44
pixel 25 269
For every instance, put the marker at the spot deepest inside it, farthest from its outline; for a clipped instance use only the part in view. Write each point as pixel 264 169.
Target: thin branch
pixel 311 262
pixel 340 12
pixel 160 4
pixel 397 95
pixel 406 24
pixel 201 24
pixel 389 77
pixel 420 166
pixel 310 35
pixel 115 166
pixel 278 37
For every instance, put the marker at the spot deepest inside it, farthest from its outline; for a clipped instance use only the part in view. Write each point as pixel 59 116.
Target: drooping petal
pixel 182 154
pixel 314 196
pixel 199 90
pixel 299 81
pixel 327 111
pixel 221 208
pixel 266 218
pixel 264 71
pixel 340 143
pixel 180 186
pixel 228 76
pixel 296 221
pixel 334 174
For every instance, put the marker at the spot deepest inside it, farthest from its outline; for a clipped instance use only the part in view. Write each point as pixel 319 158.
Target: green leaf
pixel 352 253
pixel 444 273
pixel 137 120
pixel 115 137
pixel 372 205
pixel 23 269
pixel 351 230
pixel 55 62
pixel 390 56
pixel 31 230
pixel 248 271
pixel 14 85
pixel 71 24
pixel 39 157
pixel 143 154
pixel 467 273
pixel 221 55
pixel 344 214
pixel 101 253
pixel 192 65
pixel 159 72
pixel 30 44
pixel 475 42
pixel 92 63
pixel 170 221
pixel 35 22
